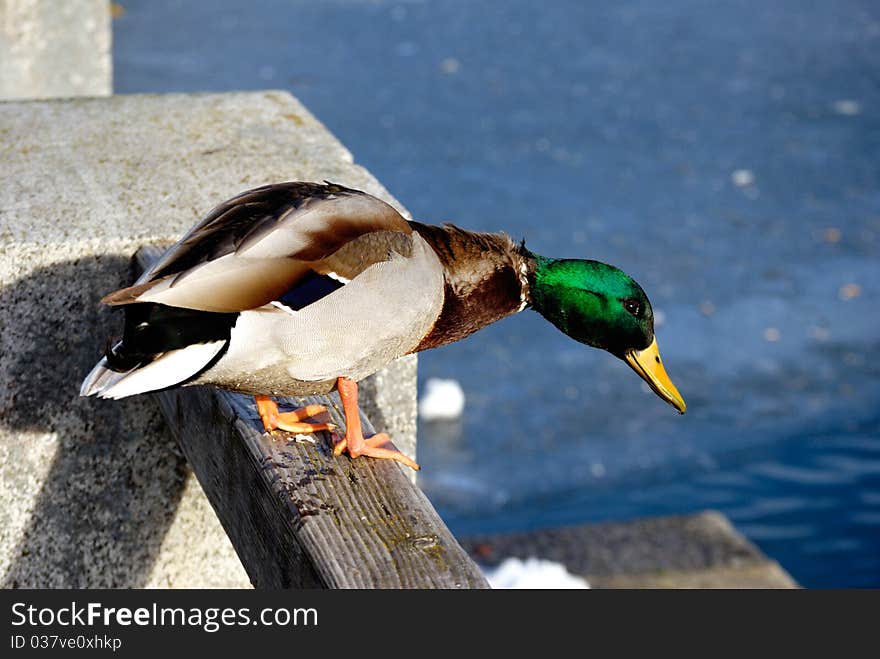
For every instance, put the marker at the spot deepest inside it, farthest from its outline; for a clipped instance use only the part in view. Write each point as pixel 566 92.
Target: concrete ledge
pixel 691 551
pixel 55 49
pixel 96 493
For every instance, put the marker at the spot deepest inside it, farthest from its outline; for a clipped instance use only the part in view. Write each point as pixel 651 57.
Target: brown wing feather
pixel 257 245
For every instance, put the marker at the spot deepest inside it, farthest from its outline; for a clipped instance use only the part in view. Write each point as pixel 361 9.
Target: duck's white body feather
pixel 378 316
pixel 241 261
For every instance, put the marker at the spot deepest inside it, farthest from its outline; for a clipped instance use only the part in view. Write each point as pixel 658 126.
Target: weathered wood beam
pixel 300 517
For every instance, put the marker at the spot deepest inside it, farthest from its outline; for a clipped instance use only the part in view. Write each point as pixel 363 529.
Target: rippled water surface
pixel 725 154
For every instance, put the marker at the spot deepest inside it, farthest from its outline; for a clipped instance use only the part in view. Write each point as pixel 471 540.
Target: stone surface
pixel 95 493
pixel 763 575
pixel 55 48
pixel 691 551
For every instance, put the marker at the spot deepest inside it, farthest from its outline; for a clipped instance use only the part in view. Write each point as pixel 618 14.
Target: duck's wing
pixel 256 247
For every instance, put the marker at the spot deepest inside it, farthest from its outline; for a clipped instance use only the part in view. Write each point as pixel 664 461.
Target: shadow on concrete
pixel 116 475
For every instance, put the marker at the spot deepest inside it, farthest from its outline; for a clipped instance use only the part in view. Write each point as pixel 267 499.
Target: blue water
pixel 726 154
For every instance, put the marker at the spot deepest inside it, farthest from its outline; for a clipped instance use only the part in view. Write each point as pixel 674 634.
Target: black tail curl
pixel 153 329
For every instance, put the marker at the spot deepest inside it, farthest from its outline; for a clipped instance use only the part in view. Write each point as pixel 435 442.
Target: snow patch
pixel 742 178
pixel 441 400
pixel 532 573
pixel 847 107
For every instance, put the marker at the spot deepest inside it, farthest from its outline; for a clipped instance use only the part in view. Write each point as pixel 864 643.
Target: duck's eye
pixel 633 307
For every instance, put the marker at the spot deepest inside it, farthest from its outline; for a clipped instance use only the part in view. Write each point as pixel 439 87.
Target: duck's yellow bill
pixel 648 365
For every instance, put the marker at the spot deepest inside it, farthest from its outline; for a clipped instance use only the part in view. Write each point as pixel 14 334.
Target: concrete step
pixel 95 493
pixel 701 550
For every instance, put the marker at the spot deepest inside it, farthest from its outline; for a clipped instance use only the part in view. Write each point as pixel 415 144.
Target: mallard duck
pixel 298 288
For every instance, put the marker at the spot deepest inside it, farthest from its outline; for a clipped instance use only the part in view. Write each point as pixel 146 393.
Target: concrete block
pixel 55 48
pixel 95 493
pixel 702 550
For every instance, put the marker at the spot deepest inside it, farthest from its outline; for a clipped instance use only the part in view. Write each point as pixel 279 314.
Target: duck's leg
pixel 354 441
pixel 290 421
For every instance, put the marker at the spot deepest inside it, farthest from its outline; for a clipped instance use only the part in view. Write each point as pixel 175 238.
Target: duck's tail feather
pixel 169 369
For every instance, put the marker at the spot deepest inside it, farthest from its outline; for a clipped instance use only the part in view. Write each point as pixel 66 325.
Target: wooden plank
pixel 300 517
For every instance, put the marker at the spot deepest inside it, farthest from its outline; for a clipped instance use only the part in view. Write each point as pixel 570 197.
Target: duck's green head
pixel 600 305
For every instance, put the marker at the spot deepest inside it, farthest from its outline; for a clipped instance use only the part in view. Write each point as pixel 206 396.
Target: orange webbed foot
pixel 290 421
pixel 354 441
pixel 374 447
